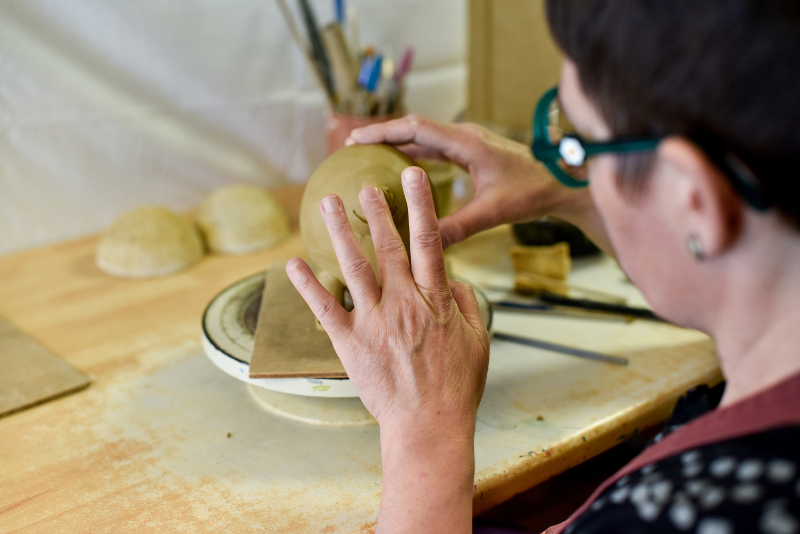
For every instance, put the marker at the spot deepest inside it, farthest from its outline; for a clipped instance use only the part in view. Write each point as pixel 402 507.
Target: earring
pixel 695 247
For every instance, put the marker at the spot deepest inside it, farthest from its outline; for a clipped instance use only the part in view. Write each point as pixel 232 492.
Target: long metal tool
pixel 554 347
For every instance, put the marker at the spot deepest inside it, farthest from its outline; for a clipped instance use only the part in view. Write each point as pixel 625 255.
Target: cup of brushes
pixel 362 86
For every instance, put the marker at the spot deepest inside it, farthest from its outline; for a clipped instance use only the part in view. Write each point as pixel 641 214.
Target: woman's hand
pixel 417 352
pixel 510 186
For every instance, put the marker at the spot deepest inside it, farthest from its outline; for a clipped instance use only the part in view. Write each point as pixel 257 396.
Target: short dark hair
pixel 725 69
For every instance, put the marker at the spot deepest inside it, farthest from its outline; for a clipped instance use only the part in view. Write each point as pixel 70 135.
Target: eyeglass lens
pixel 559 127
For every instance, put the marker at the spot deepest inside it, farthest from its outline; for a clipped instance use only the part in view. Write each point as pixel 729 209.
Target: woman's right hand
pixel 510 185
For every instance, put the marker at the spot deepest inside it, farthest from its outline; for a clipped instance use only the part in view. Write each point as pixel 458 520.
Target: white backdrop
pixel 110 104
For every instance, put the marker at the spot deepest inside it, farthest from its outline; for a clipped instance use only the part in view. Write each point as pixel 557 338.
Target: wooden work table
pixel 163 441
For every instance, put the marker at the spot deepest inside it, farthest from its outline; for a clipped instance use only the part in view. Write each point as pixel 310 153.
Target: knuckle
pixel 416 120
pixel 391 247
pixel 474 130
pixel 325 309
pixel 428 238
pixel 357 267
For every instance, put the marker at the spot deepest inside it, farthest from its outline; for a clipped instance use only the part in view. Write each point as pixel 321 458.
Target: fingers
pixel 452 141
pixel 390 252
pixel 467 303
pixel 355 267
pixel 478 215
pixel 427 262
pixel 327 309
pixel 417 152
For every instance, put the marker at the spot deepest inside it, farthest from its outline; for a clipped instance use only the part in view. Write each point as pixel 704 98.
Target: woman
pixel 692 109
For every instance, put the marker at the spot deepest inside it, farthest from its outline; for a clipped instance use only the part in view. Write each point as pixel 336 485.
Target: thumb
pixel 467 303
pixel 477 215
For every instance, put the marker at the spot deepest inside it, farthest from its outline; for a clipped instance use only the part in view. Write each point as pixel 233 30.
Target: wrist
pixel 428 477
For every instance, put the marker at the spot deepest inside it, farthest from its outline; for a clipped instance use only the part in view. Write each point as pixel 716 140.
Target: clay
pixel 346 173
pixel 240 219
pixel 552 261
pixel 149 241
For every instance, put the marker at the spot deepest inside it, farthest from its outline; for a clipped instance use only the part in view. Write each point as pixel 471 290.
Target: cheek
pixel 620 216
pixel 636 232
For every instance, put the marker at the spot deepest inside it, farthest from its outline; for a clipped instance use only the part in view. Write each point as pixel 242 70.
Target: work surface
pixel 163 441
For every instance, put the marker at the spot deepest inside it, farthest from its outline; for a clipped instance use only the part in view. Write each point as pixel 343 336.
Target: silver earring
pixel 695 247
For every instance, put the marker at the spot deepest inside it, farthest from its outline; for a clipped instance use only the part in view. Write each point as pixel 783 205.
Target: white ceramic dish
pixel 229 325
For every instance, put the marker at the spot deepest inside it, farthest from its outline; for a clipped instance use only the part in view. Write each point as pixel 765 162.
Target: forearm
pixel 427 480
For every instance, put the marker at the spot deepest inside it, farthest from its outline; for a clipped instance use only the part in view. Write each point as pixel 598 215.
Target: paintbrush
pixel 317 49
pixel 298 39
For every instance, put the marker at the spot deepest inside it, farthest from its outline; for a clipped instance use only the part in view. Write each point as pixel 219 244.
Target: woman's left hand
pixel 417 352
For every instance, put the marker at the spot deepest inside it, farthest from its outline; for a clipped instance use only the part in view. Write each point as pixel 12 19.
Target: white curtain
pixel 109 104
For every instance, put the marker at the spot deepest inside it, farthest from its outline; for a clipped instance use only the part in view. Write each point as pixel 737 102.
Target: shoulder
pixel 746 484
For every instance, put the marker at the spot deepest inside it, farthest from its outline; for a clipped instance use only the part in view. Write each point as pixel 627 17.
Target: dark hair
pixel 722 69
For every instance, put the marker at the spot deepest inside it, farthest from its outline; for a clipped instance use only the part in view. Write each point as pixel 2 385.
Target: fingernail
pixel 330 203
pixel 349 141
pixel 370 193
pixel 413 176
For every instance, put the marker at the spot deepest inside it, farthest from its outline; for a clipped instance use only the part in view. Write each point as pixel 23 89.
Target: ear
pixel 704 203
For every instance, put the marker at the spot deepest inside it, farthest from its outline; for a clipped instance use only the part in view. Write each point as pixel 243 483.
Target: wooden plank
pixel 479 53
pixel 513 60
pixel 31 373
pixel 288 343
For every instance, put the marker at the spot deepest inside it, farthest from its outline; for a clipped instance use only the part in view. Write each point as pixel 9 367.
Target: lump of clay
pixel 346 173
pixel 240 219
pixel 147 242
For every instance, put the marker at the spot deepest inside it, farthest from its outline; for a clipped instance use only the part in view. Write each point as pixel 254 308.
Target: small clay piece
pixel 541 269
pixel 552 261
pixel 346 173
pixel 241 219
pixel 147 242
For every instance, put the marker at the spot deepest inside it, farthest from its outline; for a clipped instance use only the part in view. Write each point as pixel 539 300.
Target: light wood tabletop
pixel 163 441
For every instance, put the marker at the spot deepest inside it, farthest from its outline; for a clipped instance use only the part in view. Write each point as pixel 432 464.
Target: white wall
pixel 110 104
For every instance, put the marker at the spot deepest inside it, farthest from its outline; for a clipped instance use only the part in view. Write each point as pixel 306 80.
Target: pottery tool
pixel 370 72
pixel 511 306
pixel 404 66
pixel 288 344
pixel 554 347
pixel 344 78
pixel 586 304
pixel 317 49
pixel 534 284
pixel 31 373
pixel 298 39
pixel 338 7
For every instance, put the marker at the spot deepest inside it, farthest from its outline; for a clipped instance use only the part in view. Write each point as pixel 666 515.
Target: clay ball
pixel 346 173
pixel 241 219
pixel 147 242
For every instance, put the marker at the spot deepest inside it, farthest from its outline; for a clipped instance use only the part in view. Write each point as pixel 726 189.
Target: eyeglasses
pixel 558 146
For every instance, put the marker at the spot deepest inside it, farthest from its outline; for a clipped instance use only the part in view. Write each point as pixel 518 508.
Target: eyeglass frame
pixel 742 178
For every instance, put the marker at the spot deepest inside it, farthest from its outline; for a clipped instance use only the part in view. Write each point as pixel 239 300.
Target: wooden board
pixel 31 374
pixel 288 343
pixel 512 62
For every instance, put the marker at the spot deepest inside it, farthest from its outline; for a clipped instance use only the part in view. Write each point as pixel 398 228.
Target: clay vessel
pixel 346 173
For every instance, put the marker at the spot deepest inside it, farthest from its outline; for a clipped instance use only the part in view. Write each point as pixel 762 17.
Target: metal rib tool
pixel 546 345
